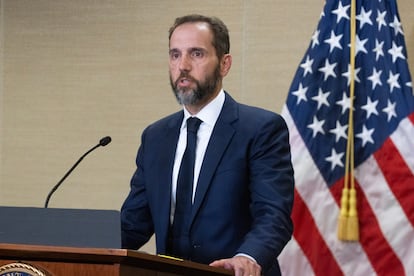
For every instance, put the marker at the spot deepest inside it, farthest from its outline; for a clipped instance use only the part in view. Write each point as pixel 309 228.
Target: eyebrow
pixel 188 50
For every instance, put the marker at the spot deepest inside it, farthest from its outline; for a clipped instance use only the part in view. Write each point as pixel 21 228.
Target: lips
pixel 184 81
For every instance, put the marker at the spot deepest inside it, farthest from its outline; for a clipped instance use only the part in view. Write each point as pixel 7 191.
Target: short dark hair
pixel 221 39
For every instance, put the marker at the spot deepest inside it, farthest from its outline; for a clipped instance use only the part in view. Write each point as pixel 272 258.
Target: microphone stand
pixel 103 142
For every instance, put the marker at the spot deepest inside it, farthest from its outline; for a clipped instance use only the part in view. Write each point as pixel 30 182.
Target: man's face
pixel 195 75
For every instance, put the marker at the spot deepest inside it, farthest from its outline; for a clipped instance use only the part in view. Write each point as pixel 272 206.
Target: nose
pixel 185 63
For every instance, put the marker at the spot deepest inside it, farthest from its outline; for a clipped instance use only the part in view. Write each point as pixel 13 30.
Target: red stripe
pixel 411 118
pixel 376 247
pixel 398 175
pixel 310 240
pixel 379 252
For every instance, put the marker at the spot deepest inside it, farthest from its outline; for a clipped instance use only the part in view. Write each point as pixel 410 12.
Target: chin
pixel 185 97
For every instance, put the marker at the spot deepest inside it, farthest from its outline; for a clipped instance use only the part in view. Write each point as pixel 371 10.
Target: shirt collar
pixel 209 114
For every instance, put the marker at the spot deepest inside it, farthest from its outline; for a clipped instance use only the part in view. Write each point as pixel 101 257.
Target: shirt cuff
pixel 247 256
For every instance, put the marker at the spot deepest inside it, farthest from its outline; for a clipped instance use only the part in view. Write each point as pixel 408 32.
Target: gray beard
pixel 186 96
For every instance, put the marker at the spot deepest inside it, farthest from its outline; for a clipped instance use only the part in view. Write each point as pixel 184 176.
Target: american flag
pixel 317 110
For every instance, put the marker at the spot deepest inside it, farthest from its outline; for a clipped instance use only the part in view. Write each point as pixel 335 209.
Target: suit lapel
pixel 165 168
pixel 220 139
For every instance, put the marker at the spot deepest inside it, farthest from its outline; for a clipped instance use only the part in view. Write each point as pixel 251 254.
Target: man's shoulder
pixel 169 121
pixel 250 109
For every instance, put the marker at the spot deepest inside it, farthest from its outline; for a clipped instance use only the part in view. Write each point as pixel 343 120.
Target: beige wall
pixel 74 71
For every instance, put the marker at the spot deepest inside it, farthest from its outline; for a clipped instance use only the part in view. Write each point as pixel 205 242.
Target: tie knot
pixel 193 123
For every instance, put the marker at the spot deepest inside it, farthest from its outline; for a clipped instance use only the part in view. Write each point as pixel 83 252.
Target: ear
pixel 225 64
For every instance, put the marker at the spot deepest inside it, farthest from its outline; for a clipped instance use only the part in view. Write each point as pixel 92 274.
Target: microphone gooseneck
pixel 103 142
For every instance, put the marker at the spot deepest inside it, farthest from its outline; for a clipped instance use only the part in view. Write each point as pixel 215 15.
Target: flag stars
pixel 370 107
pixel 360 45
pixel 381 19
pixel 375 78
pixel 379 103
pixel 396 52
pixel 307 66
pixel 366 135
pixel 345 103
pixel 301 94
pixel 317 126
pixel 364 18
pixel 328 69
pixel 333 41
pixel 390 110
pixel 321 98
pixel 335 159
pixel 347 74
pixel 378 50
pixel 315 38
pixel 396 25
pixel 339 131
pixel 393 81
pixel 341 12
pixel 322 14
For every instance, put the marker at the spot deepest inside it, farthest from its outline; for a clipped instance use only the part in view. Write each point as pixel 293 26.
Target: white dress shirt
pixel 209 115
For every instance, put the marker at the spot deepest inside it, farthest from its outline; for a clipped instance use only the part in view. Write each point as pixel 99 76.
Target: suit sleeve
pixel 272 190
pixel 136 221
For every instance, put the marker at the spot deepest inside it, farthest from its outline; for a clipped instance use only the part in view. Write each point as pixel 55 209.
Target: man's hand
pixel 241 266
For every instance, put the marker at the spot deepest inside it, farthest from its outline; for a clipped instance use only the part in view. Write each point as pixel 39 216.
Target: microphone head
pixel 105 141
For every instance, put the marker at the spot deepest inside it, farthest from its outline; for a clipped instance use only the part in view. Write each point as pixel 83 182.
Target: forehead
pixel 189 35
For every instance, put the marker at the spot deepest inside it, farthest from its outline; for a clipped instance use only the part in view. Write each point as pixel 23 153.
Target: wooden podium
pixel 65 261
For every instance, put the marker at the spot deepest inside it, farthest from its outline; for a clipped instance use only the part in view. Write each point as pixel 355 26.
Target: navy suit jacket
pixel 244 193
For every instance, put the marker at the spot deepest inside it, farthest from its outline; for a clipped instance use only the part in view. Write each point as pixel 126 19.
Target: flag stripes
pixel 404 141
pixel 377 253
pixel 317 111
pixel 399 178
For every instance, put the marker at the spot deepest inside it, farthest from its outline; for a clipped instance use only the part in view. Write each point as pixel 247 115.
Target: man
pixel 238 214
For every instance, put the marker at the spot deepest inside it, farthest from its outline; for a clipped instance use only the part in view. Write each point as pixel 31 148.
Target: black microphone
pixel 103 142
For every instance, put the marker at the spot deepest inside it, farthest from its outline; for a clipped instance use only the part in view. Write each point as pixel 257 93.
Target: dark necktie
pixel 184 192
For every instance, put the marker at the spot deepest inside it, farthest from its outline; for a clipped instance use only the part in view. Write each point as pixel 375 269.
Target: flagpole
pixel 348 228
